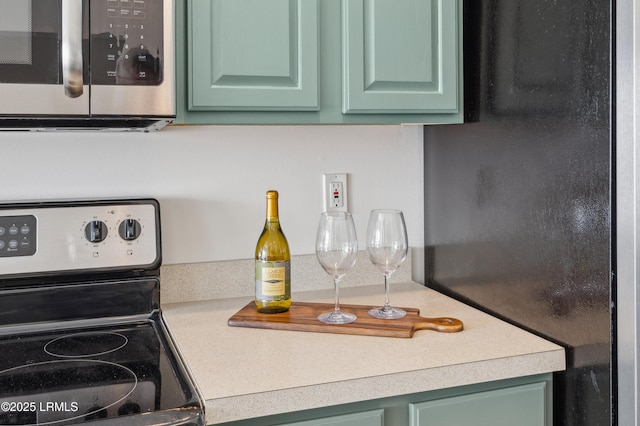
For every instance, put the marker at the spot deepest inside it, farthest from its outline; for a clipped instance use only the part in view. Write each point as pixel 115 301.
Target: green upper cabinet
pixel 253 55
pixel 399 56
pixel 319 61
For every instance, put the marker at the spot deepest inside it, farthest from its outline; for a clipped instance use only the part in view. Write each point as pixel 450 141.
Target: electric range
pixel 82 339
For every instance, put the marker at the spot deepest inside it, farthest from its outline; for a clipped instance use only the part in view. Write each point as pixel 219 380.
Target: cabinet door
pixel 365 418
pixel 519 405
pixel 253 55
pixel 400 56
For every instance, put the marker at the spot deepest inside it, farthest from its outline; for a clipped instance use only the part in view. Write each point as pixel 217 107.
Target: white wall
pixel 211 180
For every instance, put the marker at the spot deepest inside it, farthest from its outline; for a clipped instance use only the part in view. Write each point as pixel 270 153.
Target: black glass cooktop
pixel 114 374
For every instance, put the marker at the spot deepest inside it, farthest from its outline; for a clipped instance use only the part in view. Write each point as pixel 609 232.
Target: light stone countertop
pixel 244 372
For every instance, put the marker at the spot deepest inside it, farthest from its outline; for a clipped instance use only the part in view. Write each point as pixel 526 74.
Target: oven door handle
pixel 72 47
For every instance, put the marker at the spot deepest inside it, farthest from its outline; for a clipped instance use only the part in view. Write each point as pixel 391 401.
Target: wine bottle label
pixel 273 280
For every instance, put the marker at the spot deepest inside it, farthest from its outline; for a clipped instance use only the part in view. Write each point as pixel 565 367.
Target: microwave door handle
pixel 72 47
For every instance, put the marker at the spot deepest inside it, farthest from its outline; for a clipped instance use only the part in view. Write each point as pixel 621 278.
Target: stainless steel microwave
pixel 86 64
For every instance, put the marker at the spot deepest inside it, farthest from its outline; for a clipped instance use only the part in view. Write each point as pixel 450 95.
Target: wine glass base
pixel 389 313
pixel 339 318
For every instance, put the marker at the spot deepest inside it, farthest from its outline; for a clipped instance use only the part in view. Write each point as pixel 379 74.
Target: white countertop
pixel 244 372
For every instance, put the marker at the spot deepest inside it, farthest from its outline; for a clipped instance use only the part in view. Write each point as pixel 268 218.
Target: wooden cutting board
pixel 302 316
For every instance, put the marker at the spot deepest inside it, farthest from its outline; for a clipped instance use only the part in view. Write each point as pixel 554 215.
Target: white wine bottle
pixel 273 263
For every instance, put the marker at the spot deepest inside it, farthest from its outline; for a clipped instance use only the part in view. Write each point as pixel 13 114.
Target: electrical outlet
pixel 334 192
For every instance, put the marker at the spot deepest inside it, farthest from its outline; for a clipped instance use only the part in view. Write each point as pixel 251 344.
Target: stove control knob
pixel 129 229
pixel 95 231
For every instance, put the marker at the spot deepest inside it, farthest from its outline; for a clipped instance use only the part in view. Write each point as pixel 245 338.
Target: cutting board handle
pixel 442 324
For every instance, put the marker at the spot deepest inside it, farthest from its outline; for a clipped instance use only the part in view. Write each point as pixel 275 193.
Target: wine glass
pixel 337 251
pixel 387 247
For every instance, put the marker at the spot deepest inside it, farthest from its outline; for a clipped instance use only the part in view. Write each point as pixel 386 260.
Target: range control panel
pixel 52 237
pixel 17 235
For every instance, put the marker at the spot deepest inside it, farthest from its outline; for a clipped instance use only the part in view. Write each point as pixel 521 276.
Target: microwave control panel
pixel 126 42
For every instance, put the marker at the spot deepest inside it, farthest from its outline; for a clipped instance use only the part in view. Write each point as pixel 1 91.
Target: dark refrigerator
pixel 518 200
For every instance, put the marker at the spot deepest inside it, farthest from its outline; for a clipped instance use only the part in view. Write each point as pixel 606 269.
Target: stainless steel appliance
pixel 81 332
pixel 86 64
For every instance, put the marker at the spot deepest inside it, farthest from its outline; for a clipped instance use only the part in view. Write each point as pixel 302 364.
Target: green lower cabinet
pixel 522 401
pixel 519 406
pixel 367 418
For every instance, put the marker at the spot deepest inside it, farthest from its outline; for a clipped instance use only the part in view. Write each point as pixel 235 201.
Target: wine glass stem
pixel 387 305
pixel 336 286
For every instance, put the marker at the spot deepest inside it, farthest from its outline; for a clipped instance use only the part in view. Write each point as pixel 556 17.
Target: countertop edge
pixel 242 407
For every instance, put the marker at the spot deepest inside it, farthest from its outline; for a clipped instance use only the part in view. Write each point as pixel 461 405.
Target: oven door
pixel 43 57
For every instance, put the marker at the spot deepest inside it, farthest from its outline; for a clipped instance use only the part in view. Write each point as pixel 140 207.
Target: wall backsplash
pixel 211 180
pixel 235 278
